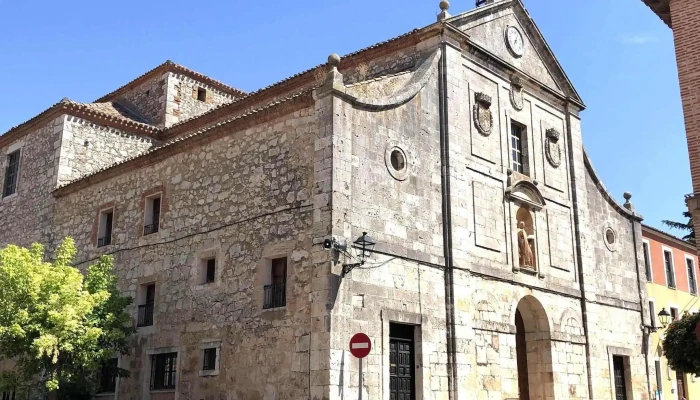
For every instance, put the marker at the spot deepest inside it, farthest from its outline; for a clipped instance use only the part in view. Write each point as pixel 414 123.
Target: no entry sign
pixel 360 345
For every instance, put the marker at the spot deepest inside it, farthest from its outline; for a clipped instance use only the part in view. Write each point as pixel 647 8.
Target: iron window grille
pixel 163 371
pixel 145 315
pixel 107 238
pixel 275 295
pixel 209 359
pixel 155 218
pixel 150 228
pixel 11 174
pixel 8 395
pixel 108 376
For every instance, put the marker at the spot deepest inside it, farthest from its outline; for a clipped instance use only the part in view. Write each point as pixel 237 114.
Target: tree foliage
pixel 57 324
pixel 683 226
pixel 681 347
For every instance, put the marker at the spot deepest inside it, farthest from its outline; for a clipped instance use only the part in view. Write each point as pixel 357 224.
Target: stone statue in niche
pixel 483 117
pixel 525 247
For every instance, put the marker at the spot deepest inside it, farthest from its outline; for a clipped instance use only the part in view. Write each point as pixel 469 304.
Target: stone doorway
pixel 533 351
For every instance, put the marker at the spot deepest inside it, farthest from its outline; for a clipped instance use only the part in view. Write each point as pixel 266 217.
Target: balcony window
pixel 145 310
pixel 152 215
pixel 104 234
pixel 275 292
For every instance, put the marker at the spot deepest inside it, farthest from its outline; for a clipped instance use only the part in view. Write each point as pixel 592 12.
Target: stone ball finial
pixel 627 196
pixel 444 5
pixel 334 60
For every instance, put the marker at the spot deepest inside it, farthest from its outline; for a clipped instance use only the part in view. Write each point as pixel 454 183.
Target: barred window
pixel 163 371
pixel 11 174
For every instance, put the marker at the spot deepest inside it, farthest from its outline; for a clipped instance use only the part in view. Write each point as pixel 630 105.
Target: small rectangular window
pixel 11 174
pixel 670 273
pixel 518 142
pixel 211 270
pixel 201 94
pixel 647 261
pixel 652 314
pixel 108 376
pixel 9 395
pixel 692 279
pixel 152 215
pixel 163 371
pixel 145 309
pixel 659 378
pixel 209 359
pixel 674 313
pixel 276 292
pixel 104 236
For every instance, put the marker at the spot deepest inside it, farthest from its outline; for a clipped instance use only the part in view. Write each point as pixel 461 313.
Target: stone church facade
pixel 502 269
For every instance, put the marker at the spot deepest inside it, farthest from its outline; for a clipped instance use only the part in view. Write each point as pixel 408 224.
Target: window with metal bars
pixel 152 217
pixel 11 174
pixel 518 148
pixel 670 273
pixel 108 376
pixel 692 282
pixel 163 371
pixel 276 292
pixel 209 363
pixel 10 395
pixel 105 228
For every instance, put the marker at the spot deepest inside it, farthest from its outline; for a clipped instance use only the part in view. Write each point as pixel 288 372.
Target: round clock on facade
pixel 515 42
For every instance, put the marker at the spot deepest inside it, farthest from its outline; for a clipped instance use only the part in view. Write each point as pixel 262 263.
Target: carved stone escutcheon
pixel 483 117
pixel 516 92
pixel 551 147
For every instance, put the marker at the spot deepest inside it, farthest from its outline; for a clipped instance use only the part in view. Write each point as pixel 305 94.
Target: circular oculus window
pixel 610 238
pixel 396 162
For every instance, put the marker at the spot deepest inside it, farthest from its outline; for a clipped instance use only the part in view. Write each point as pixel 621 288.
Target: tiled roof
pixel 662 8
pixel 105 113
pixel 668 236
pixel 104 173
pixel 173 67
pixel 345 62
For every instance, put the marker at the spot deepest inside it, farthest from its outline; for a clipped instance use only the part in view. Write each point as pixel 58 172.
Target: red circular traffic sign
pixel 360 345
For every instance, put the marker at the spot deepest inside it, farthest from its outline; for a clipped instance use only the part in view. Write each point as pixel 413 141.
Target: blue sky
pixel 618 54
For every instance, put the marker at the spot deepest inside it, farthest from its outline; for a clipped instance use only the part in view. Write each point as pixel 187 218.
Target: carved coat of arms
pixel 516 92
pixel 483 117
pixel 552 149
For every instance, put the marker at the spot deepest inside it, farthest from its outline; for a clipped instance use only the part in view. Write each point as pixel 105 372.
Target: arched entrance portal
pixel 533 348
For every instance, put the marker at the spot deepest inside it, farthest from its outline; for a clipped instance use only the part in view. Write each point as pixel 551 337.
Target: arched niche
pixel 526 200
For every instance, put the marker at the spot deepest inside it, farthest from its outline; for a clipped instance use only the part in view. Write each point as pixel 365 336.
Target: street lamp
pixel 365 244
pixel 664 317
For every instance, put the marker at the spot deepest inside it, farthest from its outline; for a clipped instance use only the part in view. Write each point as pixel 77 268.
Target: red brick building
pixel 683 16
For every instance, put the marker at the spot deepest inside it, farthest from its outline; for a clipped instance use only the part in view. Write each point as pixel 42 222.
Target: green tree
pixel 681 347
pixel 685 227
pixel 56 324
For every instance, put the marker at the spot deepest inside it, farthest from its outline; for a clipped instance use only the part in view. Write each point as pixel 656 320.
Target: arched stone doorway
pixel 533 348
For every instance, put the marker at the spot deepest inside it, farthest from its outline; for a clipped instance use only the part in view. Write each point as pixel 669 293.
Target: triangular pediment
pixel 486 27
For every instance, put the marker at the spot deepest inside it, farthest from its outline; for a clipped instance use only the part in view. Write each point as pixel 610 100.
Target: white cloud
pixel 639 39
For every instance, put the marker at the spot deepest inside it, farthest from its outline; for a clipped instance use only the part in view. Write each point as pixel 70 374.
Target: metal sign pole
pixel 360 379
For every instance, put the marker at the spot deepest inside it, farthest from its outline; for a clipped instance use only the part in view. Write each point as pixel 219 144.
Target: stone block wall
pixel 87 148
pixel 147 100
pixel 182 103
pixel 243 198
pixel 26 215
